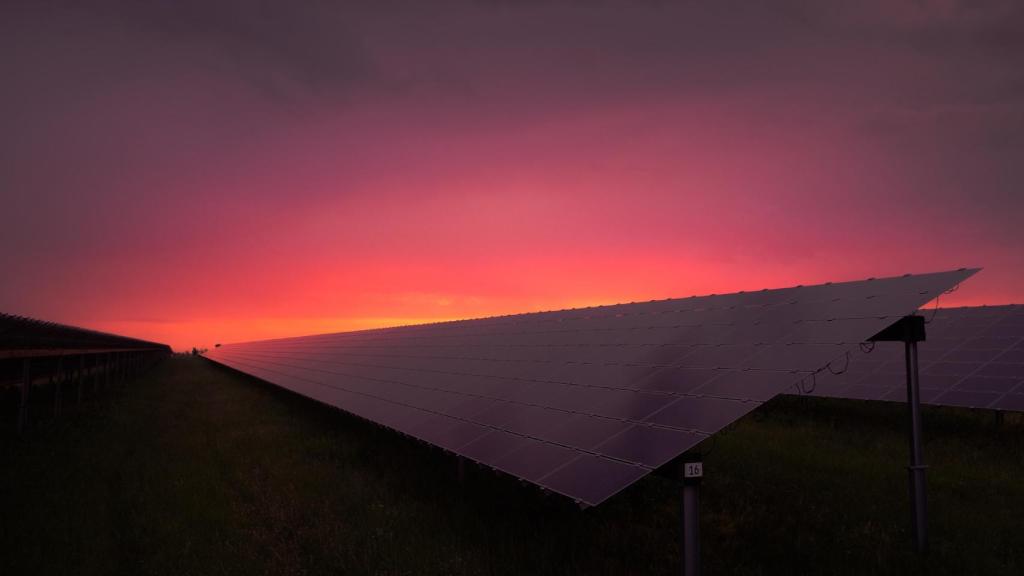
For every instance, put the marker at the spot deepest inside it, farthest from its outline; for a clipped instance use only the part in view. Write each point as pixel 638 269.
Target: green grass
pixel 193 469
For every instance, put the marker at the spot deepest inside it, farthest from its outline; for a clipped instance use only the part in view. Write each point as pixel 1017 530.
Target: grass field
pixel 193 469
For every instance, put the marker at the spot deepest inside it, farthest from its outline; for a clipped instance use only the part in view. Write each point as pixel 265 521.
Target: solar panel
pixel 584 402
pixel 973 357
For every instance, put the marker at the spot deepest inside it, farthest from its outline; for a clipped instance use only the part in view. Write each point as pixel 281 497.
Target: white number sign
pixel 693 470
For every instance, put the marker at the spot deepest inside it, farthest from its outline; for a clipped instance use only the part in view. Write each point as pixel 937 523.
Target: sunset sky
pixel 201 171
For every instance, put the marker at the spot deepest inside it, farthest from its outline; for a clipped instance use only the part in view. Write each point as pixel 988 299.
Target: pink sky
pixel 201 172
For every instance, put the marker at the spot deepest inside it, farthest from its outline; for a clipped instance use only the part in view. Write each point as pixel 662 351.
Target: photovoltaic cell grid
pixel 584 402
pixel 973 357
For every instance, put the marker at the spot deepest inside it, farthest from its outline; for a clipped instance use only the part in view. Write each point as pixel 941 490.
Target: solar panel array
pixel 19 335
pixel 584 402
pixel 973 357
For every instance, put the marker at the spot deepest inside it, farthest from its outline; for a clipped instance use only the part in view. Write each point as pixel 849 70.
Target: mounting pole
pixel 81 377
pixel 26 384
pixel 910 331
pixel 57 384
pixel 918 494
pixel 692 471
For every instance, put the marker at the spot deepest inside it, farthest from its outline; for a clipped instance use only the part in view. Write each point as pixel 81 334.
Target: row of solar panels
pixel 584 402
pixel 21 333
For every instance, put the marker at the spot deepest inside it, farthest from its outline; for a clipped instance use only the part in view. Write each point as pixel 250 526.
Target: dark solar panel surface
pixel 973 357
pixel 586 401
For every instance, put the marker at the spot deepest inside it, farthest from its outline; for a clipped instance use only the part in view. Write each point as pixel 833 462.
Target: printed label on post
pixel 693 470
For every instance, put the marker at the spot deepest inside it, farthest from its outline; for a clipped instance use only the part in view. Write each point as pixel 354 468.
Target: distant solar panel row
pixel 584 402
pixel 972 357
pixel 20 335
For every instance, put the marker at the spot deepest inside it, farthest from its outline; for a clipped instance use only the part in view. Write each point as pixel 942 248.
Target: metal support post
pixel 910 330
pixel 692 472
pixel 918 495
pixel 57 385
pixel 26 384
pixel 81 377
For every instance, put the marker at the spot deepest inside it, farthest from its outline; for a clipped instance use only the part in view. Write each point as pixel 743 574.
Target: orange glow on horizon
pixel 206 332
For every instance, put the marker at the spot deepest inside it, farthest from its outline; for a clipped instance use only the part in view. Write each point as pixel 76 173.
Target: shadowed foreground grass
pixel 193 469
